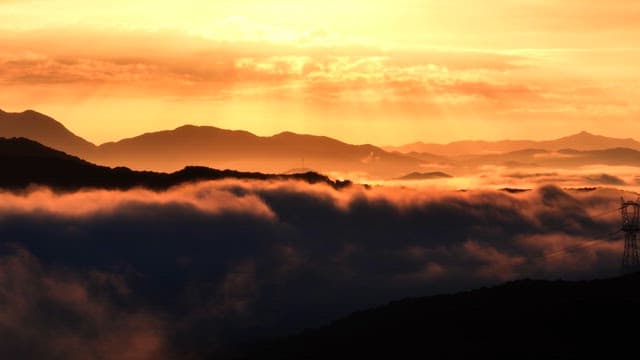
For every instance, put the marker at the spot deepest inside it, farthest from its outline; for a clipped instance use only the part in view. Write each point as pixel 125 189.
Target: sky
pixel 384 72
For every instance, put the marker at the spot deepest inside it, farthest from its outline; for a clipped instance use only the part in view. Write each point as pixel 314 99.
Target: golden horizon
pixel 388 73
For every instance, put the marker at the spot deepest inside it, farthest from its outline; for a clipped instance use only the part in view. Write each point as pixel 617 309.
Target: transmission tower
pixel 630 225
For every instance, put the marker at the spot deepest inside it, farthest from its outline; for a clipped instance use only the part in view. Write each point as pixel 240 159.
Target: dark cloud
pixel 229 260
pixel 605 179
pixel 566 178
pixel 51 314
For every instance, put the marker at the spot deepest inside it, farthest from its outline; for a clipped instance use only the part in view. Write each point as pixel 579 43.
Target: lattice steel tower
pixel 630 225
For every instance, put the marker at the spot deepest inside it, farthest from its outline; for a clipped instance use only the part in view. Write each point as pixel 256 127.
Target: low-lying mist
pixel 524 177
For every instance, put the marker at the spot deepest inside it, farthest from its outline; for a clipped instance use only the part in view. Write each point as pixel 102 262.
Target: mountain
pixel 29 163
pixel 459 148
pixel 211 146
pixel 428 157
pixel 583 141
pixel 586 142
pixel 45 130
pixel 171 150
pixel 425 176
pixel 524 319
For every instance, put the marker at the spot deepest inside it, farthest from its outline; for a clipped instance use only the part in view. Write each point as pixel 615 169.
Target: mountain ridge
pixel 580 141
pixel 170 150
pixel 210 146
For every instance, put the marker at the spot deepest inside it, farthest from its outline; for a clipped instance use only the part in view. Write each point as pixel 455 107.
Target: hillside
pixel 519 320
pixel 30 163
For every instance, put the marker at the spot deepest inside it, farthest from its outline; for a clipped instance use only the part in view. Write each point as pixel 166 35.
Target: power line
pixel 584 245
pixel 630 212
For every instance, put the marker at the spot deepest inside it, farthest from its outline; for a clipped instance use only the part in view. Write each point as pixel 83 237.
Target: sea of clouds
pixel 184 273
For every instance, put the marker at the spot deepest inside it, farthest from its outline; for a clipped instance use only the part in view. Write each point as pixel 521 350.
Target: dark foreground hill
pixel 519 320
pixel 25 163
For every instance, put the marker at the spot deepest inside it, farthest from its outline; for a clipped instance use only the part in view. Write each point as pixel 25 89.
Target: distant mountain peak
pixel 32 119
pixel 587 134
pixel 425 176
pixel 200 131
pixel 187 127
pixel 584 134
pixel 43 129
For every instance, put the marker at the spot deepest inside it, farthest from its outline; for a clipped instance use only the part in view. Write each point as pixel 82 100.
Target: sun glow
pixel 388 72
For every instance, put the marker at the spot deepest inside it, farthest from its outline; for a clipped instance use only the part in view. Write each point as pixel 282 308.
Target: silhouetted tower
pixel 630 225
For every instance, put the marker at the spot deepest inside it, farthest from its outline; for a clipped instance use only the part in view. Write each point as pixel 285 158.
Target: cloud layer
pixel 229 260
pixel 176 77
pixel 55 314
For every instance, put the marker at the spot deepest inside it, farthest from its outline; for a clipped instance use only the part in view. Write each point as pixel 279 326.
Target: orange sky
pixel 384 72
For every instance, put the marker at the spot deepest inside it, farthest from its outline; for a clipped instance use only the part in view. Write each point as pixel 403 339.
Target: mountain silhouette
pixel 208 146
pixel 28 163
pixel 524 319
pixel 211 146
pixel 425 176
pixel 582 141
pixel 171 150
pixel 45 130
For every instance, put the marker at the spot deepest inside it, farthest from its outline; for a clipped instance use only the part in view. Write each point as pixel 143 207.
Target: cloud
pixel 170 63
pixel 335 85
pixel 91 203
pixel 605 179
pixel 234 260
pixel 53 314
pixel 530 176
